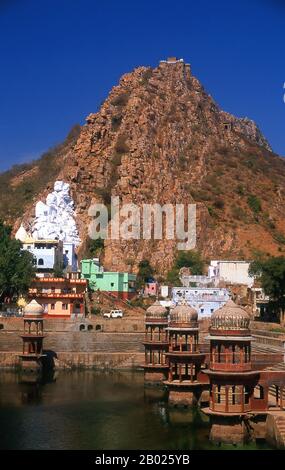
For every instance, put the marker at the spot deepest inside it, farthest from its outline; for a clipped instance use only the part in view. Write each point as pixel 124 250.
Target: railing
pixel 229 408
pixel 56 295
pixel 272 358
pixel 200 298
pixel 60 279
pixel 229 366
pixel 238 361
pixel 184 348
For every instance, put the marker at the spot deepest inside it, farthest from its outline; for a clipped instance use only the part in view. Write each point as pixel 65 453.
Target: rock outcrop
pixel 160 138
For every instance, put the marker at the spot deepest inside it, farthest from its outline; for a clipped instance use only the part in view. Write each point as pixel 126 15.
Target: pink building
pixel 151 288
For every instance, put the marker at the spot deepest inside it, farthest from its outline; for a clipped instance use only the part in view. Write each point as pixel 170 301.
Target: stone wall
pixel 74 360
pixel 98 342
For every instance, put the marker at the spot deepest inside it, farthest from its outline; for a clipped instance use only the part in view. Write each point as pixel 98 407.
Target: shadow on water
pixel 95 410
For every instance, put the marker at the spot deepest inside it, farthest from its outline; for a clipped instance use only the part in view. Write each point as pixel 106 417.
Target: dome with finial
pixel 21 234
pixel 184 316
pixel 156 312
pixel 231 319
pixel 33 309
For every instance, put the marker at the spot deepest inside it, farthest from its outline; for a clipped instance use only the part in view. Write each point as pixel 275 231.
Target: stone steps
pixel 267 340
pixel 79 341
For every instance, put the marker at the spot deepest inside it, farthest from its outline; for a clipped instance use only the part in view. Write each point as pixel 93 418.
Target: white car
pixel 114 314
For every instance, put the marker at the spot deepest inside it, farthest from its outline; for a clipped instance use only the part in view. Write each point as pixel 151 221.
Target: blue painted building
pixel 204 300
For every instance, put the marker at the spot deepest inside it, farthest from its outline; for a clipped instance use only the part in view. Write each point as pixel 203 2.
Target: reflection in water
pixel 31 384
pixel 94 410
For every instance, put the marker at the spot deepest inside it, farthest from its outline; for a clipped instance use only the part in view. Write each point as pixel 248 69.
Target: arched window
pixel 89 327
pixel 1 326
pixel 40 262
pixel 259 392
pixel 98 327
pixel 82 327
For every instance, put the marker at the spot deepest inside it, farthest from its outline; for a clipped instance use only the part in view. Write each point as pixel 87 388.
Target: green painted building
pixel 121 285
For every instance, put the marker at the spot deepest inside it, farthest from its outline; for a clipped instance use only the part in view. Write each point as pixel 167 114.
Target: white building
pixel 54 235
pixel 164 291
pixel 47 253
pixel 69 256
pixel 232 272
pixel 204 300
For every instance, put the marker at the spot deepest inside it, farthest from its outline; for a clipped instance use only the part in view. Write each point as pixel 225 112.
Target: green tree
pixel 186 259
pixel 254 203
pixel 144 273
pixel 93 247
pixel 16 266
pixel 58 270
pixel 173 277
pixel 271 274
pixel 192 260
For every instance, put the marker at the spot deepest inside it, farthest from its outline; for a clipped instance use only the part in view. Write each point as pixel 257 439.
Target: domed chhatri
pixel 33 336
pixel 33 309
pixel 156 311
pixel 185 379
pixel 156 343
pixel 230 319
pixel 184 315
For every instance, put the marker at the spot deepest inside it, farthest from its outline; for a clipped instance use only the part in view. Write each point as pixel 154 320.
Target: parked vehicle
pixel 114 314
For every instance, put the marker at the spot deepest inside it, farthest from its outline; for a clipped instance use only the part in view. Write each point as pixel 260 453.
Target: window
pixel 64 306
pixel 220 394
pixel 202 310
pixel 246 395
pixel 52 306
pixel 212 310
pixel 40 262
pixel 112 284
pixel 259 392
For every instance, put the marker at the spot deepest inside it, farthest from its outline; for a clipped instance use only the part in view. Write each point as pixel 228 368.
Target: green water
pixel 91 410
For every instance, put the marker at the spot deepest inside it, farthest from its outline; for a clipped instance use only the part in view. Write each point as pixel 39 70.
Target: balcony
pixel 231 362
pixel 56 295
pixel 230 367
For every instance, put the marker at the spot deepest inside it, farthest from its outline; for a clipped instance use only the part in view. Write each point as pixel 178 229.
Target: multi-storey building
pixel 118 284
pixel 185 380
pixel 237 390
pixel 32 336
pixel 156 343
pixel 47 253
pixel 204 300
pixel 60 297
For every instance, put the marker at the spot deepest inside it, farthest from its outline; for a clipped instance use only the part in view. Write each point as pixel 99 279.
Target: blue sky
pixel 59 59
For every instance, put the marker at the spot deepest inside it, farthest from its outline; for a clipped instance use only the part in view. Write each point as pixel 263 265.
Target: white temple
pixel 21 234
pixel 55 219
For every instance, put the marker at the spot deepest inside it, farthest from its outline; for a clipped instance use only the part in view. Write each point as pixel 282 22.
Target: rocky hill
pixel 160 138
